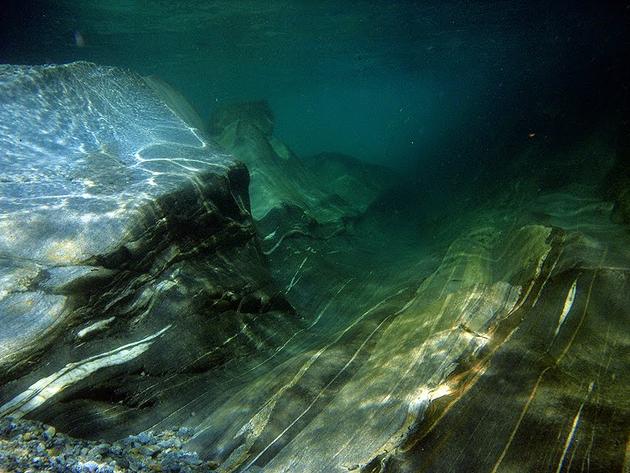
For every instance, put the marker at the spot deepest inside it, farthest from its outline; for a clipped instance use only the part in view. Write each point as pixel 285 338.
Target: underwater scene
pixel 314 236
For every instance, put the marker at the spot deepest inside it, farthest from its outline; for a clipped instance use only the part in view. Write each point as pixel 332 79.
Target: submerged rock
pixel 128 254
pixel 328 187
pixel 257 114
pixel 140 311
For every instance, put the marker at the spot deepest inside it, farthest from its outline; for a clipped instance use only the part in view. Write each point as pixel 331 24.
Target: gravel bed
pixel 29 447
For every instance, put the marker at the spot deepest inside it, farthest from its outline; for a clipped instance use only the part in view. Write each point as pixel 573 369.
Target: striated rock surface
pixel 509 352
pixel 352 335
pixel 128 256
pixel 471 342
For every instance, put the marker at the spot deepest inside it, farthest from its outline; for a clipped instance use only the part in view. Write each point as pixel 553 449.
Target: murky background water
pixel 399 83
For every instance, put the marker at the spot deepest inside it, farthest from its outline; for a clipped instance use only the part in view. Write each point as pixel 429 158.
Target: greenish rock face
pixel 328 188
pixel 328 326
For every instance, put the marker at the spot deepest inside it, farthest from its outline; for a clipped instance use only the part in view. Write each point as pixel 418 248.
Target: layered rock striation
pixel 343 327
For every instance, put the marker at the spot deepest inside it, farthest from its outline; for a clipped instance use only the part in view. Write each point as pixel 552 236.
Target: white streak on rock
pixel 271 235
pixel 420 400
pixel 39 392
pixel 101 324
pixel 574 426
pixel 568 303
pixel 294 281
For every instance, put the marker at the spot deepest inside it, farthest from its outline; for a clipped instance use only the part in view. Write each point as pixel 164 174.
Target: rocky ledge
pixel 129 261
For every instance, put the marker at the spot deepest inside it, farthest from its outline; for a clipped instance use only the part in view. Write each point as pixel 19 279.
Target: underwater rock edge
pixel 183 270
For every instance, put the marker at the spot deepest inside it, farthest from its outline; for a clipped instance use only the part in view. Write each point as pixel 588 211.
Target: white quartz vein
pixel 293 279
pixel 94 327
pixel 574 426
pixel 44 389
pixel 568 303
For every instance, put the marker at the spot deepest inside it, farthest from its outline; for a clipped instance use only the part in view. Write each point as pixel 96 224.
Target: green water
pixel 314 236
pixel 388 82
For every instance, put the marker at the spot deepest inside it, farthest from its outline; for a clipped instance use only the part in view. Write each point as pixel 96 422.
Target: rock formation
pixel 280 177
pixel 138 294
pixel 130 264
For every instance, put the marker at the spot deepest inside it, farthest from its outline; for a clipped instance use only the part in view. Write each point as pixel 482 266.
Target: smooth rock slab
pixel 83 150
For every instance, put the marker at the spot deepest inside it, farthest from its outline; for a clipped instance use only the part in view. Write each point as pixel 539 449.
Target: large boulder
pixel 128 258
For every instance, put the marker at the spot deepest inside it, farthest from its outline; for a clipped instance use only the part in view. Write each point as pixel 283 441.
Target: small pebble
pixel 143 438
pixel 185 432
pixel 49 433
